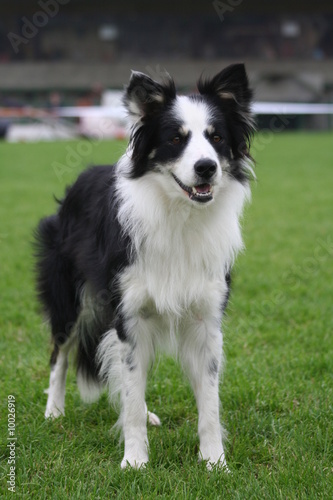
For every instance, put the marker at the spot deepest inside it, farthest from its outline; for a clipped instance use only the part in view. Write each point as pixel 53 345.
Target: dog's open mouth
pixel 201 193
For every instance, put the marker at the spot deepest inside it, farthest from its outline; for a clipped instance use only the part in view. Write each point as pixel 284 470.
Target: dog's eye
pixel 217 138
pixel 176 140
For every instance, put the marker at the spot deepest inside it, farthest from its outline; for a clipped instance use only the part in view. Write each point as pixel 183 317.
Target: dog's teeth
pixel 194 191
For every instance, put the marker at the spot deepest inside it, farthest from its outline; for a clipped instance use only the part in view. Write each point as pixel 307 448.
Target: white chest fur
pixel 182 251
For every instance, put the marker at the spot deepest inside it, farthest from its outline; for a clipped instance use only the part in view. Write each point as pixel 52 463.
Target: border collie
pixel 138 256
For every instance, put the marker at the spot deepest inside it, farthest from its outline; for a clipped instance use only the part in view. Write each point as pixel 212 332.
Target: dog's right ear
pixel 144 97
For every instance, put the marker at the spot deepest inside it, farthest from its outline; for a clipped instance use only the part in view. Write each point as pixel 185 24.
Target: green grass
pixel 277 390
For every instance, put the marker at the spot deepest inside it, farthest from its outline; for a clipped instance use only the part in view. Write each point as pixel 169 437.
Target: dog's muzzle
pixel 201 193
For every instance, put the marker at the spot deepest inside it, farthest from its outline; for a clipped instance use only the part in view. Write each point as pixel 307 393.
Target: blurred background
pixel 63 63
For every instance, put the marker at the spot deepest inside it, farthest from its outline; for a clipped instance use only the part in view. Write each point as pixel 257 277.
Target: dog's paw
pixel 153 419
pixel 220 464
pixel 214 461
pixel 135 463
pixel 54 412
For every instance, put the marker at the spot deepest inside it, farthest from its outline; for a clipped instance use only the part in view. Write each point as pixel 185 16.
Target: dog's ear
pixel 230 84
pixel 144 97
pixel 230 90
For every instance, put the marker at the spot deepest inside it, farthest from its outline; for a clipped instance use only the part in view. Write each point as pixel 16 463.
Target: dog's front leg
pixel 135 361
pixel 201 350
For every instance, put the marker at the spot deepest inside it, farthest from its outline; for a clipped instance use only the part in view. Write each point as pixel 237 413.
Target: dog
pixel 138 257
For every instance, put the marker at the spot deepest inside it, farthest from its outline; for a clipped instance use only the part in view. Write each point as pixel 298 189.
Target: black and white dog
pixel 138 256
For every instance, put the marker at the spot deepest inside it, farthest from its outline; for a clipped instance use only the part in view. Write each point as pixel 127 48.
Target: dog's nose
pixel 205 168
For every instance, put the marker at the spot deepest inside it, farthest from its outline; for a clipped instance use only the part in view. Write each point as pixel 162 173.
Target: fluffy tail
pixel 56 285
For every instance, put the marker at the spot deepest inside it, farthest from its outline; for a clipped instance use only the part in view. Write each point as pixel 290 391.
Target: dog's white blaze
pixel 195 117
pixel 194 114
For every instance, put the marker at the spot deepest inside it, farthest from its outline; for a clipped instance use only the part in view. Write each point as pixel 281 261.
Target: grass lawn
pixel 277 391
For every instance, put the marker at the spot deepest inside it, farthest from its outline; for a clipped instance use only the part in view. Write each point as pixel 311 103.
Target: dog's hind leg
pixel 56 392
pixel 58 291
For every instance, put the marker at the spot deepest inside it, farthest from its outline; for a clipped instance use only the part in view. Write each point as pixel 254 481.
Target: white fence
pixel 111 121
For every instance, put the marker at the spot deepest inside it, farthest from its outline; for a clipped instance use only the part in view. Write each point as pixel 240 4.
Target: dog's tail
pixel 56 284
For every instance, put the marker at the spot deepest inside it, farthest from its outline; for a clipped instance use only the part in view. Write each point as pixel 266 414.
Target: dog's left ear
pixel 230 90
pixel 230 84
pixel 144 97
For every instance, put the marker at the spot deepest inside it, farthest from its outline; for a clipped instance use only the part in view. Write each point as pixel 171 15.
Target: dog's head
pixel 194 141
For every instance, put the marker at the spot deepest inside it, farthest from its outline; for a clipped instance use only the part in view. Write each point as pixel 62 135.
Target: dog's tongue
pixel 203 188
